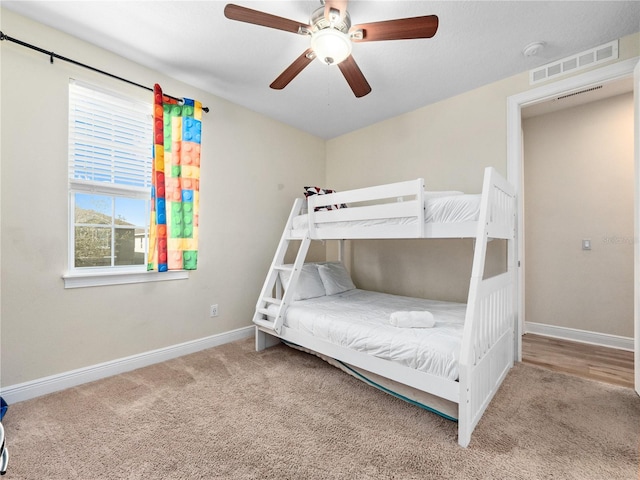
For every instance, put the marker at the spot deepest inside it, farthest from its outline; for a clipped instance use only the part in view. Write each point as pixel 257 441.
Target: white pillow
pixel 309 282
pixel 335 278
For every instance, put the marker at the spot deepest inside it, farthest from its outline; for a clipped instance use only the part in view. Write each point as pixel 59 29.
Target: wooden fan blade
pixel 293 70
pixel 354 77
pixel 247 15
pixel 400 29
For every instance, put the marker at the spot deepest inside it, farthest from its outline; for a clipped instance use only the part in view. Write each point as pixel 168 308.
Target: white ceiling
pixel 478 42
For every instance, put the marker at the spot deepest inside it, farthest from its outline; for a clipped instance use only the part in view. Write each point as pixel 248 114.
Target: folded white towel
pixel 417 319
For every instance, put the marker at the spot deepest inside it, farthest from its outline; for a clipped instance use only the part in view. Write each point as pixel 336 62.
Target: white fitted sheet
pixel 438 209
pixel 359 319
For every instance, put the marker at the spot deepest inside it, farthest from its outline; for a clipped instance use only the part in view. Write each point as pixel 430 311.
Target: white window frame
pixel 111 275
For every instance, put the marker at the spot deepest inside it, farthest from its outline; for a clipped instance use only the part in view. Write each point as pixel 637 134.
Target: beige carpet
pixel 232 413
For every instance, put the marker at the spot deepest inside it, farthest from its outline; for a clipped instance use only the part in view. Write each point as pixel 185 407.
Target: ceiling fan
pixel 332 35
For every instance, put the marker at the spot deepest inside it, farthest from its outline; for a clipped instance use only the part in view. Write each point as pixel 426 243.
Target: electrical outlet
pixel 213 310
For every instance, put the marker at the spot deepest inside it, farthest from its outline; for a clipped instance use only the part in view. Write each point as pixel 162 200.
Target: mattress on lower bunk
pixel 360 320
pixel 438 209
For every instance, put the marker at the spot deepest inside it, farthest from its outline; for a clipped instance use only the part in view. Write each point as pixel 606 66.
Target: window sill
pixel 77 280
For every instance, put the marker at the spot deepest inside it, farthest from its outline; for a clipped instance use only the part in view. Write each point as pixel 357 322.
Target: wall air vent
pixel 574 63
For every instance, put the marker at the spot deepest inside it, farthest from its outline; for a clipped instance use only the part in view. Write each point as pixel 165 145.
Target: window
pixel 110 145
pixel 110 155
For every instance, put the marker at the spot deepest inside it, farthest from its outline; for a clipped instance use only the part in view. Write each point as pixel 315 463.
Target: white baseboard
pixel 42 386
pixel 582 336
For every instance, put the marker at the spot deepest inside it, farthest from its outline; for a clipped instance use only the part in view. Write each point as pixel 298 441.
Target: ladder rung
pixel 264 323
pixel 266 312
pixel 284 268
pixel 274 301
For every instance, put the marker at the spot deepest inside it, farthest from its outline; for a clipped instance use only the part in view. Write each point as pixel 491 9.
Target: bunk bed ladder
pixel 272 294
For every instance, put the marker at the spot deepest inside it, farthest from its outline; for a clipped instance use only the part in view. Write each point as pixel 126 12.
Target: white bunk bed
pixel 484 352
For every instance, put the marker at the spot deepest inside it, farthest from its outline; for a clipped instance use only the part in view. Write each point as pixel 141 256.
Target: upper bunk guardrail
pixel 371 203
pixel 497 212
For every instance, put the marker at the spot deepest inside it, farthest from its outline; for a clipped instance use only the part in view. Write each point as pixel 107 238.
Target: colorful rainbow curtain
pixel 175 190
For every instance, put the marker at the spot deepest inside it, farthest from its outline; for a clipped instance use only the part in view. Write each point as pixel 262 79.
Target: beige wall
pixel 579 184
pixel 251 172
pixel 449 144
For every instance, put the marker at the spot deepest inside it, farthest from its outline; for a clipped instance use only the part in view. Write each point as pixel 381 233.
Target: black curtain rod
pixel 53 55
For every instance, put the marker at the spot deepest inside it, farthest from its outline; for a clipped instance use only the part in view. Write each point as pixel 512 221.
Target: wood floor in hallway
pixel 605 364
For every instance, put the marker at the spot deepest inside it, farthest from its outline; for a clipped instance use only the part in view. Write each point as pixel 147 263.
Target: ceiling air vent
pixel 579 61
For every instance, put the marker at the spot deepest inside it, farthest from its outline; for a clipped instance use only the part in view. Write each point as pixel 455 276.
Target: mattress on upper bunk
pixel 440 207
pixel 360 320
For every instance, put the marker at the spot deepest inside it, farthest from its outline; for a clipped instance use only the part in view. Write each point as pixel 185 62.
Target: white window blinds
pixel 110 141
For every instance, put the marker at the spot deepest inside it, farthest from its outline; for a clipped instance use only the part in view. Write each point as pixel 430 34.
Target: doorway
pixel 578 194
pixel 516 103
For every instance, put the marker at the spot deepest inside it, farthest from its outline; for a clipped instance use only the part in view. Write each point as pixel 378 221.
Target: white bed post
pixel 466 406
pixel 487 341
pixel 265 340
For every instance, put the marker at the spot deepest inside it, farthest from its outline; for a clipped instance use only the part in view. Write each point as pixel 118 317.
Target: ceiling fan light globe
pixel 331 46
